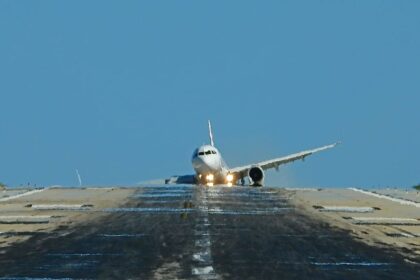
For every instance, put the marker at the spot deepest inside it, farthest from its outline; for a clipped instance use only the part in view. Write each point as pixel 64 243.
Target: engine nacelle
pixel 256 174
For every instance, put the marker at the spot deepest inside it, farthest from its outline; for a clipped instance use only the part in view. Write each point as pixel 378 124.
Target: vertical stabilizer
pixel 79 178
pixel 211 135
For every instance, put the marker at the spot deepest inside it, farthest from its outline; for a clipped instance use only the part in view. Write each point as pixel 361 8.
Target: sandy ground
pixel 98 198
pixel 404 237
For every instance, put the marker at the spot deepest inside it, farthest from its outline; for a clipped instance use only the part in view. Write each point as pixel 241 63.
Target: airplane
pixel 211 169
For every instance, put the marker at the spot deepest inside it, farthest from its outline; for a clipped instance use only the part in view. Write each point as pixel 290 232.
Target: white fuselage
pixel 207 160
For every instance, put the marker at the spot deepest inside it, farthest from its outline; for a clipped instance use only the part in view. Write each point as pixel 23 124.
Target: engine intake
pixel 256 174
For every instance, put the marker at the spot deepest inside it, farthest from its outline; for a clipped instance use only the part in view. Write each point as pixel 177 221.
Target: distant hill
pixel 417 187
pixel 2 186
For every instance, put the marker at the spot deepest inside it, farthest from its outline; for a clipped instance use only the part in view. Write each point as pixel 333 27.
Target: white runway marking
pixel 24 219
pixel 402 234
pixel 203 270
pixel 203 267
pixel 385 220
pixel 61 206
pixel 398 200
pixel 350 209
pixel 22 194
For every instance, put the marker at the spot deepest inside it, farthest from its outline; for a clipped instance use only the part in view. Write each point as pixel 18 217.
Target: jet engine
pixel 256 174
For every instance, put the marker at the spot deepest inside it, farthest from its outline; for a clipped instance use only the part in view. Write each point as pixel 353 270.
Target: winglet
pixel 211 134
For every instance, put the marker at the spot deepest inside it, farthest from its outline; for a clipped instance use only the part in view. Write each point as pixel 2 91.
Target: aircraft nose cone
pixel 211 163
pixel 205 165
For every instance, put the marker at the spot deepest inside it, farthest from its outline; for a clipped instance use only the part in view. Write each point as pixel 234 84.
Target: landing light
pixel 229 178
pixel 210 178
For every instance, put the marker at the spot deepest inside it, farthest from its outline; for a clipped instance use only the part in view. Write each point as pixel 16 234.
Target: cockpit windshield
pixel 208 152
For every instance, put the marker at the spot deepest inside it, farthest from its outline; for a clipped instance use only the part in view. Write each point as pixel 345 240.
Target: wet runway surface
pixel 185 232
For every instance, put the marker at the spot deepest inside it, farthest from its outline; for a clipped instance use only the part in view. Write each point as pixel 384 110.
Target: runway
pixel 185 232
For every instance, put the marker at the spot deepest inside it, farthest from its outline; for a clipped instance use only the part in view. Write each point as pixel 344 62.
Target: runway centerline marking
pixel 202 258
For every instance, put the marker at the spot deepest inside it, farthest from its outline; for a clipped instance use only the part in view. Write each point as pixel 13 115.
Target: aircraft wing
pixel 184 179
pixel 275 163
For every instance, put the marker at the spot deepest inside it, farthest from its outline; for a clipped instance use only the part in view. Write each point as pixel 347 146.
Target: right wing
pixel 242 171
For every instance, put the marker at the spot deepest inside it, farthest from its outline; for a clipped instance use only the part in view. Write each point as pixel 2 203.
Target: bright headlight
pixel 210 178
pixel 229 178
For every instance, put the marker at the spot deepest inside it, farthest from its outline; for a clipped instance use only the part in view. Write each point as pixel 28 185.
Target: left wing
pixel 242 171
pixel 184 179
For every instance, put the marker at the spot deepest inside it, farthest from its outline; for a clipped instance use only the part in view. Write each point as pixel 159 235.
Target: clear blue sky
pixel 122 90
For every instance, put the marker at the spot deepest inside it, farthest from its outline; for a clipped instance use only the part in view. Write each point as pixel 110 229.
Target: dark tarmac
pixel 183 232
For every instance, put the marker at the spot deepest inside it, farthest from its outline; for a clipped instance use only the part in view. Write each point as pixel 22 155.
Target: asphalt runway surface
pixel 184 232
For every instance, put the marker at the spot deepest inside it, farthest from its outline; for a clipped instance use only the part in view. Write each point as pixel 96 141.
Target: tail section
pixel 211 135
